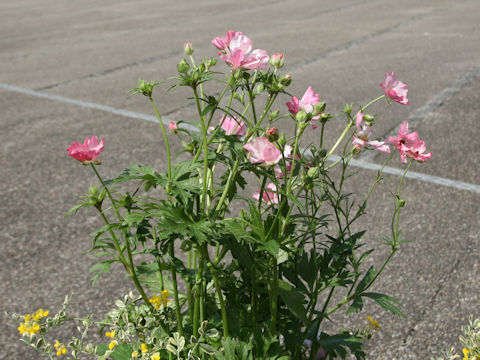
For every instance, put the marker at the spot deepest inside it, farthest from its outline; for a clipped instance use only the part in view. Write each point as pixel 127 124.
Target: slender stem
pixel 131 265
pixel 165 138
pixel 254 293
pixel 350 124
pixel 198 298
pixel 175 289
pixel 274 298
pixel 218 289
pixel 371 102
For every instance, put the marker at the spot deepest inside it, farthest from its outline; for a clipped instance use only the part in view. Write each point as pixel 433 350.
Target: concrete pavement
pixel 58 58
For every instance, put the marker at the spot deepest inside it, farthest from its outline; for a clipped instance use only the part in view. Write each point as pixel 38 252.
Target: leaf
pixel 339 342
pixel 356 306
pixel 385 302
pixel 271 246
pixel 121 352
pixel 132 219
pixel 208 349
pixel 293 299
pixel 367 279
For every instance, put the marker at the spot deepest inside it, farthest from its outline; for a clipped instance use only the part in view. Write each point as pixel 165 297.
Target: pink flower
pixel 363 132
pixel 307 103
pixel 263 151
pixel 394 89
pixel 173 127
pixel 269 197
pixel 238 52
pixel 409 144
pixel 222 42
pixel 232 126
pixel 417 151
pixel 86 152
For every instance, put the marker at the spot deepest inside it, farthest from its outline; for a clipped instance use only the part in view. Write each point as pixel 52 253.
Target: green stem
pixel 178 314
pixel 198 296
pixel 348 127
pixel 131 265
pixel 371 102
pixel 165 138
pixel 274 298
pixel 218 289
pixel 205 152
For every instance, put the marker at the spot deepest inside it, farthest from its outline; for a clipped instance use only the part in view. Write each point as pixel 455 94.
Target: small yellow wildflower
pixel 27 317
pixel 155 356
pixel 165 297
pixel 144 348
pixel 112 344
pixel 465 353
pixel 134 354
pixel 110 334
pixel 39 314
pixel 373 322
pixel 61 348
pixel 156 301
pixel 28 328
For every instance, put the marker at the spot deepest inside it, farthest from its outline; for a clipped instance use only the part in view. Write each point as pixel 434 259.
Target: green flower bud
pixel 286 80
pixel 273 115
pixel 301 116
pixel 347 109
pixel 183 66
pixel 400 202
pixel 260 88
pixel 188 48
pixel 324 117
pixel 312 172
pixel 93 190
pixel 322 153
pixel 282 140
pixel 320 107
pixel 368 119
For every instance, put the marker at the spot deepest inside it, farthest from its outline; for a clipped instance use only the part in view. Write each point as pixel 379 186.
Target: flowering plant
pixel 233 270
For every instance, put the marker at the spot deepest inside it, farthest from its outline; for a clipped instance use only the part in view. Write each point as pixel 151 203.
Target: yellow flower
pixel 28 328
pixel 144 348
pixel 112 344
pixel 27 317
pixel 134 354
pixel 156 301
pixel 465 353
pixel 155 356
pixel 61 349
pixel 110 334
pixel 374 323
pixel 165 297
pixel 39 314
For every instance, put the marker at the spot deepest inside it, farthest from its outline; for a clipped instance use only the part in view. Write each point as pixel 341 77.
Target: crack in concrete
pixel 155 58
pixel 353 43
pixel 411 331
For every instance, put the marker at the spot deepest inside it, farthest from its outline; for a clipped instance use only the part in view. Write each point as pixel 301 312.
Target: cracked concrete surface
pixel 95 51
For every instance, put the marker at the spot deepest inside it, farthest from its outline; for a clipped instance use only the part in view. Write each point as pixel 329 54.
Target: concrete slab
pixel 90 51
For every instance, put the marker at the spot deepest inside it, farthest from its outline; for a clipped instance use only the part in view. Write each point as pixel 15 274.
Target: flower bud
pixel 347 109
pixel 93 190
pixel 322 153
pixel 273 115
pixel 400 202
pixel 301 116
pixel 183 66
pixel 312 172
pixel 320 107
pixel 281 140
pixel 286 80
pixel 324 117
pixel 272 134
pixel 260 88
pixel 210 62
pixel 277 60
pixel 173 127
pixel 368 119
pixel 187 48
